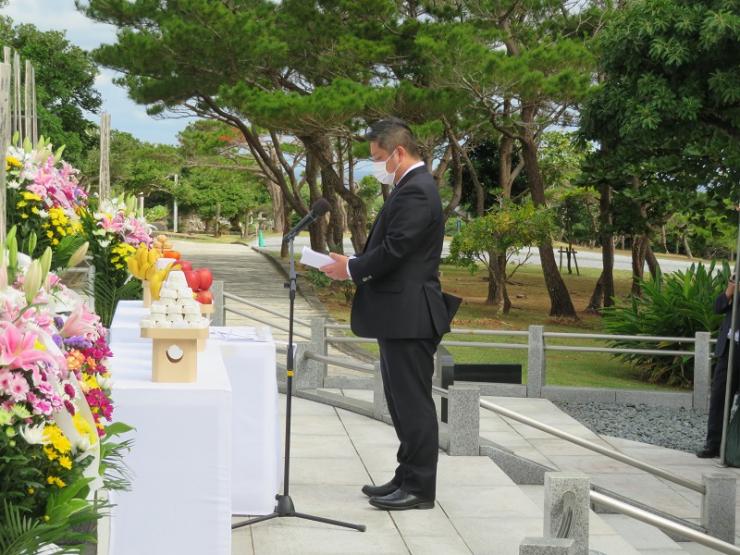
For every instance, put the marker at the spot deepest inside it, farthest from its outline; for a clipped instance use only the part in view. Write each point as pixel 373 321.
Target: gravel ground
pixel 675 428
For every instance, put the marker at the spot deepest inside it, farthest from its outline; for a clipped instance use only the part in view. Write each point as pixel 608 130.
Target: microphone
pixel 319 208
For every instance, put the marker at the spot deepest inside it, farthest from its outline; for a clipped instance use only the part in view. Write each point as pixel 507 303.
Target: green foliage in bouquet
pixel 675 305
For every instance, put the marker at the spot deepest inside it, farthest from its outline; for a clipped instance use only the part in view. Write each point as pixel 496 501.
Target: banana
pixel 150 271
pixel 133 266
pixel 156 281
pixel 143 263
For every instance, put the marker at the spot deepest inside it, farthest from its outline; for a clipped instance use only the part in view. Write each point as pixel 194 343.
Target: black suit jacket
pixel 723 305
pixel 397 275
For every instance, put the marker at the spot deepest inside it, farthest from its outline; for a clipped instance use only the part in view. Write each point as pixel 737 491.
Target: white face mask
pixel 383 175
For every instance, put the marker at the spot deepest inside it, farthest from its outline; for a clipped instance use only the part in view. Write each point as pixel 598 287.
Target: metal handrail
pixel 351 340
pixel 254 305
pixel 616 455
pixel 344 363
pixel 656 338
pixel 654 352
pixel 664 523
pixel 260 320
pixel 485 345
pixel 525 346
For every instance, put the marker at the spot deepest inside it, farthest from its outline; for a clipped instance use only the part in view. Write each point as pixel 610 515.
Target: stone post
pixel 444 375
pixel 464 420
pixel 218 318
pixel 307 372
pixel 318 344
pixel 718 506
pixel 568 491
pixel 546 546
pixel 702 374
pixel 380 405
pixel 536 361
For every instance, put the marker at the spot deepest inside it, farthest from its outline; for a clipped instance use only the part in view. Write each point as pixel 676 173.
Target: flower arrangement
pixel 44 199
pixel 55 405
pixel 114 232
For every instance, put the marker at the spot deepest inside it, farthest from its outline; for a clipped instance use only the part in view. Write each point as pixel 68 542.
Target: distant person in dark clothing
pixel 723 305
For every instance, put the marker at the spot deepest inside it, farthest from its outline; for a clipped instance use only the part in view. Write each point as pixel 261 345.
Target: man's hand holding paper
pixel 338 268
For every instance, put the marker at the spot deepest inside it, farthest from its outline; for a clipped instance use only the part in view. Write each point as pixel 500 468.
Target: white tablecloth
pixel 181 460
pixel 257 462
pixel 249 359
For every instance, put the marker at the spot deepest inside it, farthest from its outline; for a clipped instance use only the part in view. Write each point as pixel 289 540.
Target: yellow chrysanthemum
pixel 55 481
pixel 12 162
pixel 50 453
pixel 54 435
pixel 28 195
pixel 65 462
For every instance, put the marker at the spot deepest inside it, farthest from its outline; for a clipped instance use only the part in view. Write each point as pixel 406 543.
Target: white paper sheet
pixel 315 259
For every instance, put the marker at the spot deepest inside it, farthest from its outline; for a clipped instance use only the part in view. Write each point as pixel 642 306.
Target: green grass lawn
pixel 530 307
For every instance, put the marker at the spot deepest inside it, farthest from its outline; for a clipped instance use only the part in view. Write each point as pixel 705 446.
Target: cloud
pixel 126 115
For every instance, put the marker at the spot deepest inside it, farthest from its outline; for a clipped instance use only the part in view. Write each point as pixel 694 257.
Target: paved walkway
pixel 480 510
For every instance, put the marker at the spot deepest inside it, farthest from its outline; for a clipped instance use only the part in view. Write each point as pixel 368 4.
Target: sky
pixel 126 115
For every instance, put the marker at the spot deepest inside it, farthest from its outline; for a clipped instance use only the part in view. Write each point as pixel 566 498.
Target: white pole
pixel 27 124
pixel 5 87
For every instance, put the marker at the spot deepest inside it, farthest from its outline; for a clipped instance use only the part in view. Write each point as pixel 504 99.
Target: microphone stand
pixel 285 507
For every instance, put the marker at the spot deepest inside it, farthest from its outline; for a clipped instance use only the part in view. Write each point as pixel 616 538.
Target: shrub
pixel 156 213
pixel 675 305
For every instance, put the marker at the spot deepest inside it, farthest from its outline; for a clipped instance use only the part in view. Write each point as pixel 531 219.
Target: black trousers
pixel 717 397
pixel 407 366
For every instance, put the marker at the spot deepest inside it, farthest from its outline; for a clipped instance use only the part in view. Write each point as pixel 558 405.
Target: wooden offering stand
pixel 147 292
pixel 175 353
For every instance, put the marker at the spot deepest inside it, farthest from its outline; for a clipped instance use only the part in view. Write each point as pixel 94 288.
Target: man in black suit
pixel 399 301
pixel 723 305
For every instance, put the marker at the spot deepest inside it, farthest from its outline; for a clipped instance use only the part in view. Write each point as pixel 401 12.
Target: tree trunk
pixel 492 289
pixel 652 262
pixel 335 231
pixel 286 229
pixel 639 250
pixel 597 297
pixel 603 294
pixel 320 148
pixel 317 230
pixel 687 247
pixel 502 282
pixel 664 239
pixel 278 204
pixel 560 301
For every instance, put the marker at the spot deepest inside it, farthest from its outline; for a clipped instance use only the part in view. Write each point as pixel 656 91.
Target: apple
pixel 185 266
pixel 193 279
pixel 204 297
pixel 205 278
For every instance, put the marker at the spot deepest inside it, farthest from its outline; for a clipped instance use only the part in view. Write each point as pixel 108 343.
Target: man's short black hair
pixel 390 133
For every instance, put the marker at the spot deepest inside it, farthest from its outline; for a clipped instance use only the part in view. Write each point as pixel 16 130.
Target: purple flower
pixel 58 322
pixel 58 338
pixel 70 407
pixel 77 342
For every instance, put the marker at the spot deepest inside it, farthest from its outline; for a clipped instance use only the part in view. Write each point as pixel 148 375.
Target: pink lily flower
pixel 81 322
pixel 18 348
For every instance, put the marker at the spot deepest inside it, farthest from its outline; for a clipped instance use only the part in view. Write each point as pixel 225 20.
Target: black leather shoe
pixel 379 491
pixel 708 452
pixel 400 500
